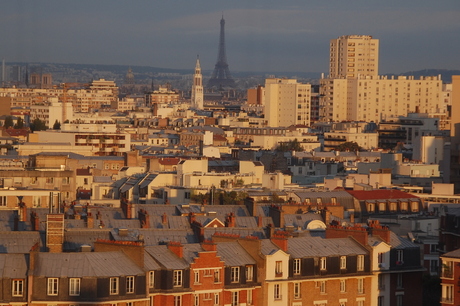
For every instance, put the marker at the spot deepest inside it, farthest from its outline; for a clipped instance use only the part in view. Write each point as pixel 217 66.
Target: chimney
pixel 22 212
pixel 35 221
pixel 352 218
pixel 280 239
pixel 230 222
pixel 378 230
pixel 89 221
pixel 164 219
pixel 191 218
pixel 54 232
pixel 359 233
pixel 144 218
pixel 259 221
pixel 209 245
pixel 177 248
pixel 326 214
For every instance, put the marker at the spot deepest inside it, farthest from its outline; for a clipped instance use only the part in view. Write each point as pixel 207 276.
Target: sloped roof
pixel 379 194
pixel 13 265
pixel 242 232
pixel 157 236
pixel 398 242
pixel 85 264
pixel 74 239
pixel 166 258
pixel 18 242
pixel 233 254
pixel 315 247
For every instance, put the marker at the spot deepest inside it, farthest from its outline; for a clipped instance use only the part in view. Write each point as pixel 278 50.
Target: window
pixel 399 281
pixel 249 299
pixel 33 180
pixel 381 285
pixel 279 268
pixel 322 286
pixel 235 298
pixel 343 285
pixel 177 280
pixel 447 294
pixel 216 298
pixel 18 287
pixel 323 263
pixel 381 258
pixel 196 300
pixel 66 180
pixel 151 279
pixel 3 201
pixel 53 286
pixel 50 180
pixel 196 277
pixel 277 292
pixel 297 266
pixel 235 274
pixel 343 262
pixel 360 285
pixel 178 300
pixel 360 265
pixel 74 286
pixel 399 300
pixel 113 285
pixel 400 257
pixel 130 284
pixel 447 269
pixel 217 276
pixel 360 303
pixel 380 301
pixel 36 201
pixel 249 273
pixel 297 291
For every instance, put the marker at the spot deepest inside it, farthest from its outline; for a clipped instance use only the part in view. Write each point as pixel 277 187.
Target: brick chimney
pixel 209 245
pixel 144 218
pixel 230 222
pixel 326 214
pixel 164 219
pixel 378 230
pixel 281 240
pixel 54 232
pixel 259 221
pixel 357 232
pixel 352 218
pixel 35 221
pixel 177 248
pixel 89 221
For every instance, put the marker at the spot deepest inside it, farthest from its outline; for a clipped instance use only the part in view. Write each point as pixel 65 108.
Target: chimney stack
pixel 230 222
pixel 177 248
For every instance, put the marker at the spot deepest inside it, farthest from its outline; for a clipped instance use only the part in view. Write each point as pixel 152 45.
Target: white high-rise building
pixel 197 87
pixel 354 55
pixel 287 102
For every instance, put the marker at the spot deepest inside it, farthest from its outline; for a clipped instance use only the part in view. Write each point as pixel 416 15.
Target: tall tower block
pixel 221 76
pixel 197 87
pixel 353 55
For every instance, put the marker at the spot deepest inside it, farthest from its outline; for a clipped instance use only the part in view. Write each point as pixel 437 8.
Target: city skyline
pixel 260 35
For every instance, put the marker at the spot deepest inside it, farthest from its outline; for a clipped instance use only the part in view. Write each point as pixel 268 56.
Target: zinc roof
pixel 233 254
pixel 85 264
pixel 13 265
pixel 18 242
pixel 166 258
pixel 315 247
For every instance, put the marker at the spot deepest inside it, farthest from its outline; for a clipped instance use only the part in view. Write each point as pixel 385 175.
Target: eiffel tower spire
pixel 221 76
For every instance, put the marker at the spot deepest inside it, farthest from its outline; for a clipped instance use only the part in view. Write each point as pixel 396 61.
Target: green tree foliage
pixel 19 124
pixel 291 145
pixel 38 125
pixel 56 125
pixel 348 146
pixel 8 122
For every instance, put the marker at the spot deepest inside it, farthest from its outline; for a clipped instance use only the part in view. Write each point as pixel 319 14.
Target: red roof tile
pixel 381 194
pixel 169 161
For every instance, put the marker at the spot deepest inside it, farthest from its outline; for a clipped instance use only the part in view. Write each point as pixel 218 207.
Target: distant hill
pixel 446 75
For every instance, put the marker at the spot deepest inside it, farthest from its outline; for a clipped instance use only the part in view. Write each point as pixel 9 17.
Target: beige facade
pixel 287 102
pixel 354 55
pixel 379 98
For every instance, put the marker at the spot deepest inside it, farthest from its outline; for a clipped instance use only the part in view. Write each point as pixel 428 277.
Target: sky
pixel 261 35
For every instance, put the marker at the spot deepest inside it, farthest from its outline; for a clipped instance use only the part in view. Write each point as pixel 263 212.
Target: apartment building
pixel 354 55
pixel 287 102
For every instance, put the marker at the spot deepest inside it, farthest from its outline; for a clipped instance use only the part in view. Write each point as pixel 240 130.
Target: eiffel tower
pixel 221 76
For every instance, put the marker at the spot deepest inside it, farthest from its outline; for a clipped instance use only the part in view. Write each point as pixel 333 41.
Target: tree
pixel 291 145
pixel 56 125
pixel 38 125
pixel 19 124
pixel 348 146
pixel 8 122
